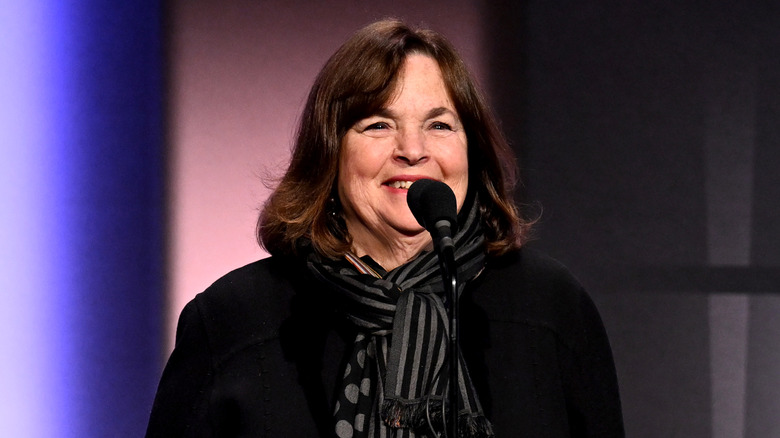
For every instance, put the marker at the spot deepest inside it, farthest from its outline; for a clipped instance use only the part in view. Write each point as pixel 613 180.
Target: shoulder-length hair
pixel 356 82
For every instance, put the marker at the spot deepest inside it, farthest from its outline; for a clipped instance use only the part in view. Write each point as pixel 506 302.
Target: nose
pixel 410 147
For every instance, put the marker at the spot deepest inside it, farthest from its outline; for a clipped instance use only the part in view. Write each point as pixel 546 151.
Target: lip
pixel 411 178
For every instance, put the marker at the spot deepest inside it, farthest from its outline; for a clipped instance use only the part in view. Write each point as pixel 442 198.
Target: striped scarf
pixel 396 380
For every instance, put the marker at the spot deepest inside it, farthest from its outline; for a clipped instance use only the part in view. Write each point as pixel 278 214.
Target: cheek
pixel 455 162
pixel 361 162
pixel 357 167
pixel 351 170
pixel 348 162
pixel 456 169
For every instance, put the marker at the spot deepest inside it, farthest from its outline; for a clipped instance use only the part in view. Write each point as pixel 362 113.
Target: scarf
pixel 395 383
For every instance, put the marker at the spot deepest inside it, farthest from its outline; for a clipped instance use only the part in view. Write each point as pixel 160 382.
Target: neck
pixel 390 253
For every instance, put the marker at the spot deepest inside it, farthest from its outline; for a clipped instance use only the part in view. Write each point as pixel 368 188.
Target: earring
pixel 332 207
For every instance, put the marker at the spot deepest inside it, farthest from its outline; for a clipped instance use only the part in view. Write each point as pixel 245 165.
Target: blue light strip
pixel 27 131
pixel 81 216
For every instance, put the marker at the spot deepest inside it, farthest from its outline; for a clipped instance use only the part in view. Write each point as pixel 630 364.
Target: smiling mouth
pixel 400 184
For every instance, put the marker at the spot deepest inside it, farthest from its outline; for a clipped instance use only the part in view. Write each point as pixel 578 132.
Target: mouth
pixel 403 182
pixel 400 184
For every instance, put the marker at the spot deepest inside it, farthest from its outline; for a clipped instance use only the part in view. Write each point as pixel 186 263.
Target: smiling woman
pixel 359 82
pixel 342 332
pixel 417 135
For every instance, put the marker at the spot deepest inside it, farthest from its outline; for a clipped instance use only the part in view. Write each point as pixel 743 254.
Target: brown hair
pixel 355 83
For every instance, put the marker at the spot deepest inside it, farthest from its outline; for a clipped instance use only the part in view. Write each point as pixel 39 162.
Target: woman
pixel 342 332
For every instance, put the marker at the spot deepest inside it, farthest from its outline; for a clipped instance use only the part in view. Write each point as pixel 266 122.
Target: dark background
pixel 649 135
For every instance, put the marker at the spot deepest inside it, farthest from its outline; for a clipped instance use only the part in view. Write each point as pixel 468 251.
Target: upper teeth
pixel 401 184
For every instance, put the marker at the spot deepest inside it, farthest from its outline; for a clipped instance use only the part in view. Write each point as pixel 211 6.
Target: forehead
pixel 420 81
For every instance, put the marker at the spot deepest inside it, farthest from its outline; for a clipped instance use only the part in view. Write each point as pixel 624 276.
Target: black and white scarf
pixel 396 380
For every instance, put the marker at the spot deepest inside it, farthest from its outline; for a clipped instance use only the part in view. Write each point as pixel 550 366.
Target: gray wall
pixel 650 144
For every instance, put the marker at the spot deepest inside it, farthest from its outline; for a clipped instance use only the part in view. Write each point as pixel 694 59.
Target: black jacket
pixel 259 352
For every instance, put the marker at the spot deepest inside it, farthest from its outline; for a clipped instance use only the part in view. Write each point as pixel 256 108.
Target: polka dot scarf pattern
pixel 396 378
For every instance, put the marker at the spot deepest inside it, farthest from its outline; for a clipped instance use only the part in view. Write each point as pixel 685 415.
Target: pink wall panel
pixel 239 74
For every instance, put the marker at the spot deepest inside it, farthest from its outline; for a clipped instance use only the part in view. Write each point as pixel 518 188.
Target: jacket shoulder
pixel 249 304
pixel 530 287
pixel 535 274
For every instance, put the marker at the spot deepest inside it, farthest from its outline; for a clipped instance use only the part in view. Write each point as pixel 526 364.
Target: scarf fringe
pixel 475 426
pixel 419 414
pixel 398 413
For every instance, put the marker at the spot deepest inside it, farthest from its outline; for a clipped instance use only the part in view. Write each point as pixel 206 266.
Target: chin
pixel 411 229
pixel 409 224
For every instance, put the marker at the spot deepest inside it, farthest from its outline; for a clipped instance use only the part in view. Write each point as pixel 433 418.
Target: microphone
pixel 434 206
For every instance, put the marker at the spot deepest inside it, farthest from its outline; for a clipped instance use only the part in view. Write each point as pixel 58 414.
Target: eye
pixel 441 126
pixel 376 126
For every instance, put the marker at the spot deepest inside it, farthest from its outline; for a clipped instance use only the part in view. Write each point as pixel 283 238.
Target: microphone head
pixel 432 201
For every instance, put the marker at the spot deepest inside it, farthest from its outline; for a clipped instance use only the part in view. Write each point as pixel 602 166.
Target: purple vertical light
pixel 28 132
pixel 81 214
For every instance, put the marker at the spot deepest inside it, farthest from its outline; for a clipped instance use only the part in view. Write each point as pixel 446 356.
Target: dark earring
pixel 334 220
pixel 332 207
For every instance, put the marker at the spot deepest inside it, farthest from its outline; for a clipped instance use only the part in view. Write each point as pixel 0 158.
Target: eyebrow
pixel 434 112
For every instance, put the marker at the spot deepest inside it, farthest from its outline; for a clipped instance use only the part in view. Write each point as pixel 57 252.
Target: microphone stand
pixel 446 249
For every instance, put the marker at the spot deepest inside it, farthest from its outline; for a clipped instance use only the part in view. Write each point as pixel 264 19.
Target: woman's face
pixel 418 134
